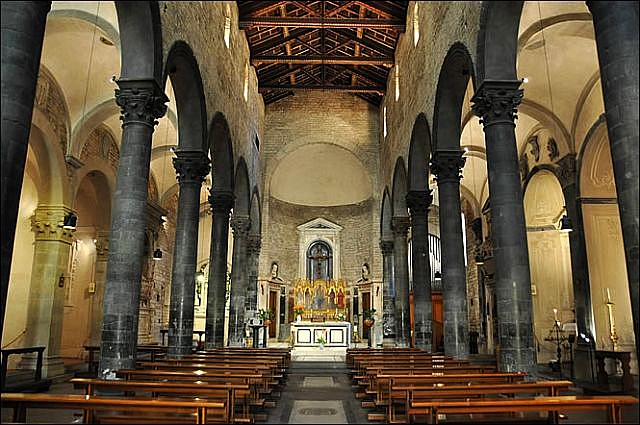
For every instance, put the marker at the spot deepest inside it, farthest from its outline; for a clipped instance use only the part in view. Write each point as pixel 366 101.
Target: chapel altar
pixel 334 334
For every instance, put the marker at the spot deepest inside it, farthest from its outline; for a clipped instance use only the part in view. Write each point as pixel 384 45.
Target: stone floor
pixel 317 391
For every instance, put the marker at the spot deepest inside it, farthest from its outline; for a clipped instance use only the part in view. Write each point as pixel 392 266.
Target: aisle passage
pixel 317 392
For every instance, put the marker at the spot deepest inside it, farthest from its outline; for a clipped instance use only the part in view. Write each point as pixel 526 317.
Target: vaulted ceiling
pixel 322 45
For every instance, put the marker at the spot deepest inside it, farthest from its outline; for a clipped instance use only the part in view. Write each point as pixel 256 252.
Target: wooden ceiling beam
pixel 323 60
pixel 313 22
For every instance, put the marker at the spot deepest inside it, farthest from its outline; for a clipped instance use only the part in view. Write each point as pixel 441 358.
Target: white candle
pixel 608 296
pixel 555 314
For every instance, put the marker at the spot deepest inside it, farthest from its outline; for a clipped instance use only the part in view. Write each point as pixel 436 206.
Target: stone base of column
pixel 584 363
pixel 52 366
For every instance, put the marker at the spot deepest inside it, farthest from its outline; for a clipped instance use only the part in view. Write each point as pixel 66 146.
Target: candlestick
pixel 613 335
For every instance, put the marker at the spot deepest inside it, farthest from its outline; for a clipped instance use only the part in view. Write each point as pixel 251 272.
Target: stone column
pixel 100 278
pixel 22 34
pixel 388 294
pixel 447 166
pixel 400 226
pixel 141 102
pixel 616 30
pixel 221 204
pixel 418 202
pixel 577 246
pixel 583 354
pixel 240 224
pixel 49 278
pixel 191 169
pixel 495 103
pixel 254 244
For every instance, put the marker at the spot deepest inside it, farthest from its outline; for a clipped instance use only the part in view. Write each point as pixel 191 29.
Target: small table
pixel 603 377
pixel 200 341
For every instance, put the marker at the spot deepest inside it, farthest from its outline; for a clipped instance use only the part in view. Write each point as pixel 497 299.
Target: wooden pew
pixel 403 395
pixel 379 387
pixel 197 411
pixel 256 381
pixel 613 404
pixel 372 371
pixel 234 394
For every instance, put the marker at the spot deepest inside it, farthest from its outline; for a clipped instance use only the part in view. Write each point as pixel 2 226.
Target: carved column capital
pixel 386 247
pixel 496 101
pixel 419 201
pixel 567 170
pixel 221 201
pixel 47 221
pixel 191 166
pixel 140 101
pixel 240 224
pixel 254 244
pixel 400 225
pixel 102 245
pixel 446 166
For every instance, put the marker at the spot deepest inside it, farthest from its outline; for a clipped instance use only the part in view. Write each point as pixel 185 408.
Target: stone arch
pixel 52 188
pixel 419 154
pixel 386 232
pixel 140 39
pixel 221 148
pixel 399 192
pixel 255 213
pixel 183 70
pixel 497 46
pixel 242 191
pixel 453 80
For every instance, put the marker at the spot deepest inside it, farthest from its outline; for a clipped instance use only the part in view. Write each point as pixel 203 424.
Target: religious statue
pixel 332 298
pixel 274 272
pixel 319 302
pixel 340 297
pixel 364 273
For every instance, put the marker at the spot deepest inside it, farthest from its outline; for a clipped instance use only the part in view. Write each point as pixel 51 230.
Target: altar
pixel 308 334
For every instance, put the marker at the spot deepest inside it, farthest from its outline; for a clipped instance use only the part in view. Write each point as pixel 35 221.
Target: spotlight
pixel 157 254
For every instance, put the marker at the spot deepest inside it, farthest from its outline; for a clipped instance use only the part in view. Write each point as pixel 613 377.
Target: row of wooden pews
pixel 402 385
pixel 225 385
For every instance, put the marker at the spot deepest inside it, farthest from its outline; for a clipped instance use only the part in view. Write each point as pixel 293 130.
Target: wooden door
pixel 273 306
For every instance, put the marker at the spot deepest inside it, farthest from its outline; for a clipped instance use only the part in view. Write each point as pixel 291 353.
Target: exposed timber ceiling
pixel 322 45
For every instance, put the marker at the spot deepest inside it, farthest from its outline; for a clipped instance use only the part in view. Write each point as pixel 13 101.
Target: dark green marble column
pixel 141 102
pixel 191 169
pixel 221 204
pixel 418 202
pixel 388 295
pixel 616 29
pixel 447 166
pixel 495 103
pixel 22 35
pixel 239 281
pixel 400 226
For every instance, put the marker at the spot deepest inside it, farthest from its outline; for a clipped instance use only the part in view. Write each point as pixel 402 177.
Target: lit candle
pixel 555 314
pixel 608 296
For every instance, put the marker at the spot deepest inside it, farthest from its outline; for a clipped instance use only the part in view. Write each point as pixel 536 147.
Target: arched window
pixel 319 261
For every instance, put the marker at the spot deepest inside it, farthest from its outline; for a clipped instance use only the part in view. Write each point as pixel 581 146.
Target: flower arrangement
pixel 298 309
pixel 369 314
pixel 321 340
pixel 265 314
pixel 341 317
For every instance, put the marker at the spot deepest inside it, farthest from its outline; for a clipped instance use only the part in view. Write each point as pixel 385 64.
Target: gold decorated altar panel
pixel 308 334
pixel 321 300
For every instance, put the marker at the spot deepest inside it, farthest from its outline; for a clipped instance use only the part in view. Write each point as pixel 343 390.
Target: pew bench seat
pixel 434 409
